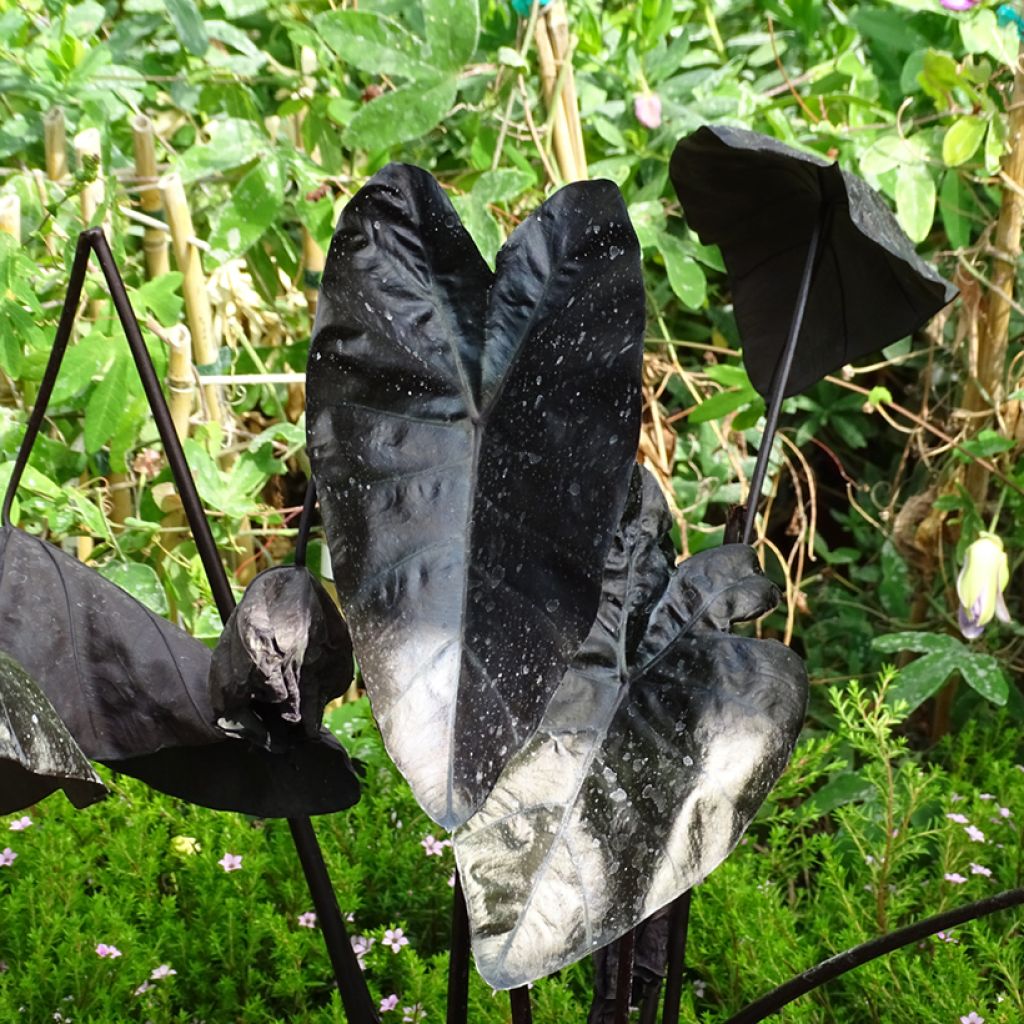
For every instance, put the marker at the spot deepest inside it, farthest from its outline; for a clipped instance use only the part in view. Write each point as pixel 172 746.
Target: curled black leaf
pixel 132 690
pixel 656 751
pixel 284 654
pixel 37 753
pixel 472 435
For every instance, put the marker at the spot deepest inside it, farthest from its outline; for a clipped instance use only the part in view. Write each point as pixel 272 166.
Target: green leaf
pixel 254 205
pixel 922 679
pixel 141 581
pixel 729 375
pixel 233 143
pixel 503 185
pixel 452 28
pixel 91 517
pixel 894 588
pixel 105 405
pixel 982 33
pixel 188 24
pixel 684 273
pixel 481 225
pixel 82 362
pixel 373 43
pixel 953 210
pixel 720 405
pixel 160 297
pixel 984 674
pixel 406 113
pixel 510 58
pixel 962 140
pixel 915 200
pixel 922 643
pixel 844 788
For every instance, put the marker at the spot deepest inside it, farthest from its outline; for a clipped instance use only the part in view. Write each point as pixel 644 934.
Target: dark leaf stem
pixel 352 987
pixel 836 966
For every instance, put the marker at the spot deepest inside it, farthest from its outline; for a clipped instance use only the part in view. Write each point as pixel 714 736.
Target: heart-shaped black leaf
pixel 653 757
pixel 284 654
pixel 472 434
pixel 37 753
pixel 132 690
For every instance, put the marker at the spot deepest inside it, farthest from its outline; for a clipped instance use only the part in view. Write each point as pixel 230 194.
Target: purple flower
pixel 395 939
pixel 1004 812
pixel 231 862
pixel 307 920
pixel 142 989
pixel 361 947
pixel 451 880
pixel 647 108
pixel 388 1003
pixel 975 834
pixel 959 5
pixel 107 952
pixel 20 824
pixel 958 818
pixel 163 971
pixel 432 846
pixel 980 869
pixel 955 877
pixel 7 858
pixel 412 1013
pixel 972 1017
pixel 946 937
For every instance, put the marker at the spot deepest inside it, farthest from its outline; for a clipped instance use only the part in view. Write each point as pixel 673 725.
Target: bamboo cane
pixel 55 144
pixel 561 140
pixel 562 46
pixel 197 301
pixel 154 241
pixel 10 216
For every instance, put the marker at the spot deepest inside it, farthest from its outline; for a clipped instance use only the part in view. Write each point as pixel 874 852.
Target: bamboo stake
pixel 560 137
pixel 180 377
pixel 562 46
pixel 10 216
pixel 55 144
pixel 989 390
pixel 154 241
pixel 197 301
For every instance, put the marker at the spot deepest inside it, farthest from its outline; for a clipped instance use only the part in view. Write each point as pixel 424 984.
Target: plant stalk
pixel 458 959
pixel 779 381
pixel 154 240
pixel 678 929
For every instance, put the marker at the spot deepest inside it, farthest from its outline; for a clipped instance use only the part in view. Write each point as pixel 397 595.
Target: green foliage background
pixel 274 114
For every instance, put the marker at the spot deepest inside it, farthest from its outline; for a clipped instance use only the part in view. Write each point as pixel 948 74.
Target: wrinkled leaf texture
pixel 472 434
pixel 759 201
pixel 655 753
pixel 132 690
pixel 37 753
pixel 284 654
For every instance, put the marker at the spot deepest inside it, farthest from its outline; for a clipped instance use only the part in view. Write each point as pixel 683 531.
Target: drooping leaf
pixel 654 755
pixel 405 113
pixel 284 654
pixel 188 24
pixel 132 690
pixel 37 753
pixel 471 434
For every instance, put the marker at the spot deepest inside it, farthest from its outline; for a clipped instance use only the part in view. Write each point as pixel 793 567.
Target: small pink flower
pixel 395 939
pixel 958 818
pixel 451 880
pixel 647 108
pixel 142 989
pixel 959 5
pixel 388 1003
pixel 975 834
pixel 307 920
pixel 20 824
pixel 107 952
pixel 972 1017
pixel 432 847
pixel 1005 812
pixel 231 862
pixel 955 877
pixel 7 858
pixel 163 971
pixel 361 947
pixel 979 869
pixel 413 1013
pixel 946 937
pixel 985 796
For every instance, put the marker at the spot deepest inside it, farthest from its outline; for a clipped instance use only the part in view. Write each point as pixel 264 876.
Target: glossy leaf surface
pixel 759 201
pixel 655 753
pixel 37 753
pixel 284 654
pixel 472 435
pixel 132 690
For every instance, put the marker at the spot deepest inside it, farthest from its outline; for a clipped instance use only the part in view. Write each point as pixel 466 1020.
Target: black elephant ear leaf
pixel 761 202
pixel 651 761
pixel 37 753
pixel 132 690
pixel 472 436
pixel 284 654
